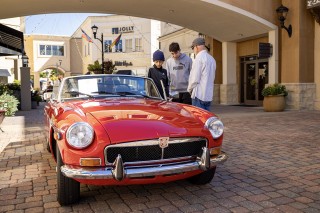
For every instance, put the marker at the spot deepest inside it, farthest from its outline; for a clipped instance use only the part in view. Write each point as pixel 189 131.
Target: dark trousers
pixel 184 97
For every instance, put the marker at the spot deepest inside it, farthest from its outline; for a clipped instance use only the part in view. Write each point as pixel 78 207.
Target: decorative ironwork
pixel 314 8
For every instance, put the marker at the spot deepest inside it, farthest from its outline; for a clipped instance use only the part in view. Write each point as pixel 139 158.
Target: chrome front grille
pixel 149 150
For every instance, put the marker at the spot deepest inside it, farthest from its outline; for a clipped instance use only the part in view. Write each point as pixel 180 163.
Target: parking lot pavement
pixel 273 166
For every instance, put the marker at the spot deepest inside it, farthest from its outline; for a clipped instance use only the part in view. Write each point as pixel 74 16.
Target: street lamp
pixel 25 61
pixel 94 31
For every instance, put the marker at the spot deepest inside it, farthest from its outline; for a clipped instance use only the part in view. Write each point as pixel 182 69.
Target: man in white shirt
pixel 201 79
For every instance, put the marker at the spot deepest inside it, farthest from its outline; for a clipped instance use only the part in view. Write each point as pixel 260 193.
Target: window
pixel 55 50
pixel 107 44
pixel 128 45
pixel 85 50
pixel 88 48
pixel 118 47
pixel 138 44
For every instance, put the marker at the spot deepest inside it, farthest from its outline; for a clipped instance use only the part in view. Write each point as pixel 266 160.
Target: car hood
pixel 126 119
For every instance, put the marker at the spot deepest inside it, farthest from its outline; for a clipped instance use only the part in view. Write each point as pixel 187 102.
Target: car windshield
pixel 106 86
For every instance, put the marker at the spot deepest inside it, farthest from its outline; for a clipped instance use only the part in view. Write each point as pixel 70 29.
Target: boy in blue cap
pixel 158 74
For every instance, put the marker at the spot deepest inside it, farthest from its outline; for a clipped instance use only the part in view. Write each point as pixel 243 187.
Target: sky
pixel 56 24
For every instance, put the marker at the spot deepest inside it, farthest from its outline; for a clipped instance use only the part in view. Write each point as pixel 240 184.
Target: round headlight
pixel 215 126
pixel 80 135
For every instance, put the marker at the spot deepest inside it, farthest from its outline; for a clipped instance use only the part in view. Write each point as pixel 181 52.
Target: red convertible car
pixel 117 130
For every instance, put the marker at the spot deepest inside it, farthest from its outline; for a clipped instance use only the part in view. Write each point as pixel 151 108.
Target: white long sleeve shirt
pixel 201 79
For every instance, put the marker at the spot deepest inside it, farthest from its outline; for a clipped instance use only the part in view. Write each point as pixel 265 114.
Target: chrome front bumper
pixel 119 171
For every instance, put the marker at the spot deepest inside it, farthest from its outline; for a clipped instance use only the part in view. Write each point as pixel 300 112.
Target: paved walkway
pixel 274 166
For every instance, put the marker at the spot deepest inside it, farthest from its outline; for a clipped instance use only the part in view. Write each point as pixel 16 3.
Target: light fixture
pixel 282 12
pixel 25 61
pixel 94 30
pixel 201 35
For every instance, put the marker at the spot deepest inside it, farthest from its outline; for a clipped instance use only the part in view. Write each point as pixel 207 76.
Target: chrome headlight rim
pixel 78 125
pixel 217 123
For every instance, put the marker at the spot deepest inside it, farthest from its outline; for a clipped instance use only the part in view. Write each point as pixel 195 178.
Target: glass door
pixel 255 78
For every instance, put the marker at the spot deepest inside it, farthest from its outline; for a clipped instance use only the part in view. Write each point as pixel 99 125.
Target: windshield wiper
pixel 104 92
pixel 79 93
pixel 125 93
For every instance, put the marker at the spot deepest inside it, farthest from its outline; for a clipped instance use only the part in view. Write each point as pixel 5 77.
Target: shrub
pixel 275 89
pixel 8 103
pixel 10 88
pixel 35 96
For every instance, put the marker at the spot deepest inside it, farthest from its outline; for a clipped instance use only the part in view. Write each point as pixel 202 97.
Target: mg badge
pixel 163 142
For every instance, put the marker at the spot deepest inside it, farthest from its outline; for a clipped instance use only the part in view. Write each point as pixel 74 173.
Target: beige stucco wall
pixel 265 9
pixel 297 53
pixel 317 64
pixel 76 57
pixel 216 52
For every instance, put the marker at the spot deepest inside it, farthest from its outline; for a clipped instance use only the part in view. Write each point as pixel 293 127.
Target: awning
pixel 4 72
pixel 11 41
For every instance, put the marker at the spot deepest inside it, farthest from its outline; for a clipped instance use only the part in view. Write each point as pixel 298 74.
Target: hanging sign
pixel 265 50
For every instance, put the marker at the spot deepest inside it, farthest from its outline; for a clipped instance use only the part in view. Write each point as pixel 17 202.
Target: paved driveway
pixel 274 166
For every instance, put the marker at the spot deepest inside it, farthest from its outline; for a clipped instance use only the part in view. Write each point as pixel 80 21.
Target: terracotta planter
pixel 275 103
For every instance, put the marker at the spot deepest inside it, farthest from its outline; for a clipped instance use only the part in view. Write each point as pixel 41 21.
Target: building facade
pixel 9 60
pixel 237 32
pixel 244 66
pixel 72 55
pixel 47 52
pixel 137 41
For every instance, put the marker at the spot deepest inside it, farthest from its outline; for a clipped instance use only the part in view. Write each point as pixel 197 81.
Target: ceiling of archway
pixel 211 17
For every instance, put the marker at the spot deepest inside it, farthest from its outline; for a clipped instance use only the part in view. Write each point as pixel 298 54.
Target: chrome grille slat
pixel 150 151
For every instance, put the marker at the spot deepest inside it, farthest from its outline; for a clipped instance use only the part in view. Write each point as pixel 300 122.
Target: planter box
pixel 274 103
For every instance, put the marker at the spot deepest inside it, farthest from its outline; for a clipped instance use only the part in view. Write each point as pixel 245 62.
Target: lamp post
pixel 58 65
pixel 25 61
pixel 94 31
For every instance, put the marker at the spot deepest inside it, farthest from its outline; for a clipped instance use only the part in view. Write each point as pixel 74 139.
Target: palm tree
pixel 95 67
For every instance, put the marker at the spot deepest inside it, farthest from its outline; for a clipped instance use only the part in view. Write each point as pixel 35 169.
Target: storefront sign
pixel 123 63
pixel 117 30
pixel 265 50
pixel 313 3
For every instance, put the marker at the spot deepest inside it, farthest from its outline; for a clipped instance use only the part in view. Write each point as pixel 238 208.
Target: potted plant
pixel 35 99
pixel 274 97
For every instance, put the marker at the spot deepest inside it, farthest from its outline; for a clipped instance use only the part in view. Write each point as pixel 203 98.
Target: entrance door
pixel 255 78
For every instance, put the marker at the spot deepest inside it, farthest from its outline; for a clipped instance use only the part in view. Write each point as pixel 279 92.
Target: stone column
pixel 274 59
pixel 229 87
pixel 25 88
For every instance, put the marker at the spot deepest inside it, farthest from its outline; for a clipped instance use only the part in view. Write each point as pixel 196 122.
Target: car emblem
pixel 163 142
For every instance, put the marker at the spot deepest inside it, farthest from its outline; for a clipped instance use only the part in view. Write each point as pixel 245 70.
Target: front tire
pixel 68 189
pixel 204 177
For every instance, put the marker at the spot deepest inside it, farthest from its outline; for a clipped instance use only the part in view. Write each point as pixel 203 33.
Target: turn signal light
pixel 215 151
pixel 90 161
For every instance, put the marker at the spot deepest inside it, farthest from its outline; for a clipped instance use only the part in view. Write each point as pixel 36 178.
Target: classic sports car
pixel 117 130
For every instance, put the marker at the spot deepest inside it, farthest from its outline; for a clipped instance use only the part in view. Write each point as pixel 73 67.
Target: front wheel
pixel 68 189
pixel 204 177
